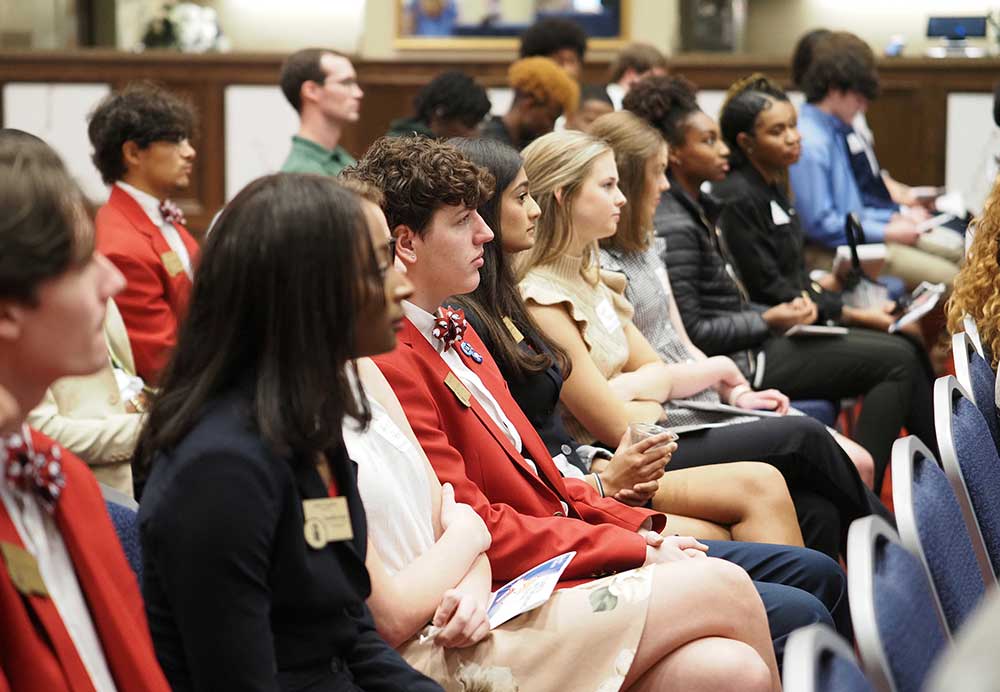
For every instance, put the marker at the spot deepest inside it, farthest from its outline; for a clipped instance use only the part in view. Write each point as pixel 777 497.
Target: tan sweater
pixel 597 306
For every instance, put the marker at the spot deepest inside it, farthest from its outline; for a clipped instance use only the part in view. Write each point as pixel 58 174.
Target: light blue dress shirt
pixel 824 184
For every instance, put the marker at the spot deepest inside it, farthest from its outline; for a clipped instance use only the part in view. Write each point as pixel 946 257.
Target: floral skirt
pixel 582 639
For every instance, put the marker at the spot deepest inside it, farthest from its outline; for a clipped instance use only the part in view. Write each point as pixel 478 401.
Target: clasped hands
pixel 632 475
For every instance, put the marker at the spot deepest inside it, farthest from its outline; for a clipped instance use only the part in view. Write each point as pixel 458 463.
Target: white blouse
pixel 394 487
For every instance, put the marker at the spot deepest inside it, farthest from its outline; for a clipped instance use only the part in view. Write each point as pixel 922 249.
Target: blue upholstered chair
pixel 817 659
pixel 932 528
pixel 975 374
pixel 898 624
pixel 123 511
pixel 824 411
pixel 970 462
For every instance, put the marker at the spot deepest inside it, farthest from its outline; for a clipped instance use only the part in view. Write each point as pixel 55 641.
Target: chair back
pixel 124 512
pixel 817 659
pixel 975 374
pixel 898 624
pixel 970 462
pixel 932 528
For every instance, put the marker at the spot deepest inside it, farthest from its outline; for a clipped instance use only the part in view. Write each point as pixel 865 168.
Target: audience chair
pixel 824 411
pixel 817 659
pixel 970 462
pixel 124 511
pixel 898 625
pixel 975 374
pixel 931 527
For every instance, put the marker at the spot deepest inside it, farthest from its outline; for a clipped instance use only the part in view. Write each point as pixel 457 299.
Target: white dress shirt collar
pixel 149 203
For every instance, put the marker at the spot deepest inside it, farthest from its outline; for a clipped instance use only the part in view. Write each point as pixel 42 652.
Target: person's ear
pixel 745 143
pixel 131 154
pixel 406 244
pixel 309 91
pixel 11 317
pixel 558 194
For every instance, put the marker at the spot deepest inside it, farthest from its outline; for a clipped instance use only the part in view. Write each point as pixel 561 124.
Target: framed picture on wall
pixel 496 24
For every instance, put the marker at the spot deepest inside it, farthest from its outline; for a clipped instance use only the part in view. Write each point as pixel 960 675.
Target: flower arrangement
pixel 186 27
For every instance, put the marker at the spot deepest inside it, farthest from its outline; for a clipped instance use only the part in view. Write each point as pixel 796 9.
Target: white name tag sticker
pixel 854 143
pixel 606 313
pixel 778 215
pixel 661 275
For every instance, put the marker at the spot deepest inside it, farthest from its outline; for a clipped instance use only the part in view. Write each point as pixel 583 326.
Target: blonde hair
pixel 977 286
pixel 558 162
pixel 634 142
pixel 546 82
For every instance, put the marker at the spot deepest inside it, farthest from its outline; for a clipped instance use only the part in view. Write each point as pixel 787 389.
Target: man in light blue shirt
pixel 839 83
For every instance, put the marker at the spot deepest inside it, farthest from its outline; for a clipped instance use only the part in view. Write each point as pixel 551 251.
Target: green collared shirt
pixel 308 157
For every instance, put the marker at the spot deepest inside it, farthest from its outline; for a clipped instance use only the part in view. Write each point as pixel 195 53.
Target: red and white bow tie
pixel 32 471
pixel 449 326
pixel 172 213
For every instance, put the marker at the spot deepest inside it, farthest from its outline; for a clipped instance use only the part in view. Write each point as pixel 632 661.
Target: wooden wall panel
pixel 908 121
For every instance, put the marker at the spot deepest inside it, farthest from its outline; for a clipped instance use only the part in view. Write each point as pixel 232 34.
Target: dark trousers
pixel 824 484
pixel 887 370
pixel 798 586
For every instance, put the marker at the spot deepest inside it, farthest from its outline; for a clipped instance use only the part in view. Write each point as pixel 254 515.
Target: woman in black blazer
pixel 253 533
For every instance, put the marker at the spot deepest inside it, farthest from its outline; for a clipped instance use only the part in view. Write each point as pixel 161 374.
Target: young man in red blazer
pixel 477 438
pixel 71 616
pixel 141 147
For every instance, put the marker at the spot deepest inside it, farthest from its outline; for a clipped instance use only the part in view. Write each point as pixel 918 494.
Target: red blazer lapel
pixel 551 479
pixel 136 216
pixel 106 580
pixel 23 615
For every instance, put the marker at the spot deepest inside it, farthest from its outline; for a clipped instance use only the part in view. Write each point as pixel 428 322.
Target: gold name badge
pixel 458 389
pixel 327 520
pixel 172 263
pixel 514 331
pixel 23 570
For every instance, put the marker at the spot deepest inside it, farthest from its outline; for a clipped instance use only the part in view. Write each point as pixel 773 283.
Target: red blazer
pixel 521 509
pixel 36 651
pixel 154 300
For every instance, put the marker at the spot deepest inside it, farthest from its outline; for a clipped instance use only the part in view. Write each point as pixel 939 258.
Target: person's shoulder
pixel 672 219
pixel 736 187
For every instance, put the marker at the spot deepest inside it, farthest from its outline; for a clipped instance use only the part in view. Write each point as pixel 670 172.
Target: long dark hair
pixel 745 101
pixel 497 295
pixel 275 303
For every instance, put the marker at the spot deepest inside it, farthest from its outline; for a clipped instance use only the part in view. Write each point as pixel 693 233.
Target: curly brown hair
pixel 665 103
pixel 976 292
pixel 418 176
pixel 142 112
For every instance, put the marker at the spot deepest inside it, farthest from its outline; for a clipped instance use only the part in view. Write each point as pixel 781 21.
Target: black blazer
pixel 236 599
pixel 768 254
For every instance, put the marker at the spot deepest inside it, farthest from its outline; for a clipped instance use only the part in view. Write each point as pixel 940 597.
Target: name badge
pixel 458 389
pixel 854 143
pixel 609 318
pixel 661 274
pixel 172 263
pixel 514 331
pixel 778 215
pixel 328 520
pixel 23 570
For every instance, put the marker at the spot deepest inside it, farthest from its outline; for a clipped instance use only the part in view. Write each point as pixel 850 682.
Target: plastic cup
pixel 637 432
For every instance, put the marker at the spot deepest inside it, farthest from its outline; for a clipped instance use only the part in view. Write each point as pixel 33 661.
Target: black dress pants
pixel 824 484
pixel 887 370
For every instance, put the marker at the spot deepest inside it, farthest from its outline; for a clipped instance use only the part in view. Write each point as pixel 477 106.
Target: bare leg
pixel 708 665
pixel 703 598
pixel 861 457
pixel 699 528
pixel 749 498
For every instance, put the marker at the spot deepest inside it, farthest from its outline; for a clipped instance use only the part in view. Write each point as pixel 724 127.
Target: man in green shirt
pixel 323 88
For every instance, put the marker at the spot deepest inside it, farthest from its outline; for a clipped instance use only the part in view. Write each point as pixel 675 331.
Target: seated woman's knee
pixel 764 483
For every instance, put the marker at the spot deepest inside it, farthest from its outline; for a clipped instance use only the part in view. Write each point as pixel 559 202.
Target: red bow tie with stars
pixel 32 471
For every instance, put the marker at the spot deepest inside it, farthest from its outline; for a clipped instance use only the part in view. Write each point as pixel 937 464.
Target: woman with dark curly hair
pixel 141 146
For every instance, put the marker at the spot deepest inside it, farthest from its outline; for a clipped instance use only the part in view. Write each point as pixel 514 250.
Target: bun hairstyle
pixel 665 103
pixel 744 102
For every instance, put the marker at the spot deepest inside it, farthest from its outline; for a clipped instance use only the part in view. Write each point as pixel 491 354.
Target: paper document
pixel 923 299
pixel 816 330
pixel 934 222
pixel 527 591
pixel 721 408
